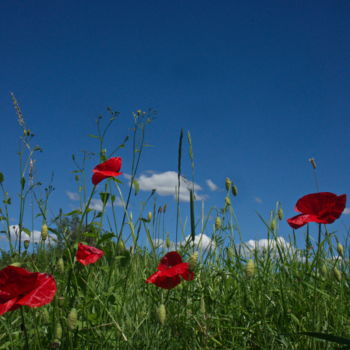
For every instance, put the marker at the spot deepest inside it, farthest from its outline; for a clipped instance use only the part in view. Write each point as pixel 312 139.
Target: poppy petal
pixel 169 260
pixel 88 255
pixel 8 305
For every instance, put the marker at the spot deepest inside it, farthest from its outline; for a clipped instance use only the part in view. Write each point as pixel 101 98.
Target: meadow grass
pixel 261 299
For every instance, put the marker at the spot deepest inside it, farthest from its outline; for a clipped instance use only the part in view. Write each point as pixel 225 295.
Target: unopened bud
pixel 44 232
pixel 217 223
pixel 337 274
pixel 161 314
pixel 167 241
pixel 192 261
pixel 72 319
pixel 340 249
pixel 58 331
pixel 149 216
pixel 26 244
pixel 324 270
pixel 234 190
pixel 202 308
pixel 120 247
pixel 45 315
pixel 250 268
pixel 273 225
pixel 60 265
pixel 227 201
pixel 280 213
pixel 228 183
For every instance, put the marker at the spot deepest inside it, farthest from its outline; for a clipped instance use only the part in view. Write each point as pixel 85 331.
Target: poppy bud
pixel 324 270
pixel 273 225
pixel 217 223
pixel 340 249
pixel 202 308
pixel 234 190
pixel 45 315
pixel 228 183
pixel 16 264
pixel 192 261
pixel 227 201
pixel 250 268
pixel 44 232
pixel 161 314
pixel 58 331
pixel 120 247
pixel 280 213
pixel 72 319
pixel 337 274
pixel 26 244
pixel 167 241
pixel 60 265
pixel 149 216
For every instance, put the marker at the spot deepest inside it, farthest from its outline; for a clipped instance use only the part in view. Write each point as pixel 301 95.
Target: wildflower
pixel 20 287
pixel 170 271
pixel 322 207
pixel 88 255
pixel 109 168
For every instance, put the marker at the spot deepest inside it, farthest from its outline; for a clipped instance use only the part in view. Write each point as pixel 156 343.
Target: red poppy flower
pixel 88 255
pixel 109 168
pixel 20 287
pixel 322 207
pixel 170 271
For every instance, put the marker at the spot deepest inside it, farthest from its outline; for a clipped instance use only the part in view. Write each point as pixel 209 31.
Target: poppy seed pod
pixel 192 261
pixel 217 223
pixel 280 213
pixel 340 249
pixel 120 247
pixel 227 201
pixel 58 331
pixel 337 274
pixel 44 232
pixel 60 265
pixel 250 268
pixel 72 319
pixel 234 190
pixel 228 183
pixel 161 314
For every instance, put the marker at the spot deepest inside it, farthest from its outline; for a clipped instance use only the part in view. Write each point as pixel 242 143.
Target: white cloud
pixel 346 211
pixel 166 185
pixel 35 236
pixel 258 200
pixel 73 196
pixel 264 245
pixel 96 204
pixel 211 185
pixel 201 241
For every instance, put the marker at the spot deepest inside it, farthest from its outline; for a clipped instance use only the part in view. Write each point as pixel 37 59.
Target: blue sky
pixel 261 86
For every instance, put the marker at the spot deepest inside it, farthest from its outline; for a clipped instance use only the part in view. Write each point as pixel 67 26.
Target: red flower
pixel 109 168
pixel 20 287
pixel 170 271
pixel 88 255
pixel 322 207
